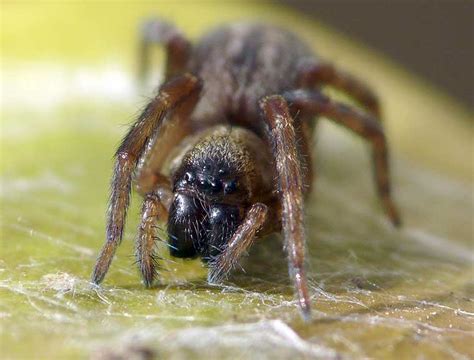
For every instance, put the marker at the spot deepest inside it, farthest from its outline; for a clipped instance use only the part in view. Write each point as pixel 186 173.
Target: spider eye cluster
pixel 210 182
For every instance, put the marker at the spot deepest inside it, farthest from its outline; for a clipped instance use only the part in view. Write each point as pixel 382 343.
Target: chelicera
pixel 222 154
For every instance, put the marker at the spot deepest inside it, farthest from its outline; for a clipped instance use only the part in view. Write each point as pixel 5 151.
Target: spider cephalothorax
pixel 218 156
pixel 212 189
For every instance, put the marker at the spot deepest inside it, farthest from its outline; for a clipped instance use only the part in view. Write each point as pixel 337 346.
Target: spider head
pixel 211 192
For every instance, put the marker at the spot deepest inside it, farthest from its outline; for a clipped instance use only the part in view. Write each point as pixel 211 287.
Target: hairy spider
pixel 222 153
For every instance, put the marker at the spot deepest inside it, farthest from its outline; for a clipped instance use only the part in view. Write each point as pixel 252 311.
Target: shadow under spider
pixel 266 267
pixel 350 263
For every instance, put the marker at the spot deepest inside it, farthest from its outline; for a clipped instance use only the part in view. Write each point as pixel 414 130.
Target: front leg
pixel 238 244
pixel 153 210
pixel 281 135
pixel 133 146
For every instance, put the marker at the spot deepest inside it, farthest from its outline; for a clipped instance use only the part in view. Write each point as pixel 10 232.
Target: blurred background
pixel 433 38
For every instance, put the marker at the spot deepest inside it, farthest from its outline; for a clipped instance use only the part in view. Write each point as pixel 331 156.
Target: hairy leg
pixel 152 211
pixel 365 125
pixel 172 131
pixel 178 48
pixel 238 244
pixel 281 135
pixel 313 74
pixel 171 95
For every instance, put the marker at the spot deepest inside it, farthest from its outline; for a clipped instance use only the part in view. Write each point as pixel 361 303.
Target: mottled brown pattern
pixel 239 64
pixel 230 160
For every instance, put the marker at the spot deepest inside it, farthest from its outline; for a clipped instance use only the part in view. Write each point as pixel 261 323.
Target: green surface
pixel 67 91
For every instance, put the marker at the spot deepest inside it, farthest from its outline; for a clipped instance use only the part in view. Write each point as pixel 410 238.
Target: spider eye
pixel 211 186
pixel 189 177
pixel 184 180
pixel 230 187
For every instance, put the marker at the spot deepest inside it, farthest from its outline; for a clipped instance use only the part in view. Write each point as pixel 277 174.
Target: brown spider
pixel 222 153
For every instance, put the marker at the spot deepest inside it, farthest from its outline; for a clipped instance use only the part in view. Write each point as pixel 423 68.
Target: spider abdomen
pixel 239 64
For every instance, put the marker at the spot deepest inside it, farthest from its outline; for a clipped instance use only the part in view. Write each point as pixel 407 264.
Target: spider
pixel 222 154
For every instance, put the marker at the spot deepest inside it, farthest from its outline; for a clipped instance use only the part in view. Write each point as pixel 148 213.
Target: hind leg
pixel 178 48
pixel 314 73
pixel 364 125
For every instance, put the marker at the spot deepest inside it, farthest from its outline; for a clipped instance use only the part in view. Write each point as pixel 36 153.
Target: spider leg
pixel 313 74
pixel 134 144
pixel 152 211
pixel 365 125
pixel 178 48
pixel 171 132
pixel 238 244
pixel 155 187
pixel 281 134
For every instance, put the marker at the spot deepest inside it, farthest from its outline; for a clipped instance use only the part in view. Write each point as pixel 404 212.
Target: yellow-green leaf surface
pixel 68 94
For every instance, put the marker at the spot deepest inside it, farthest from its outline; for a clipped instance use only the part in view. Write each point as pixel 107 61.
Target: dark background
pixel 433 38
